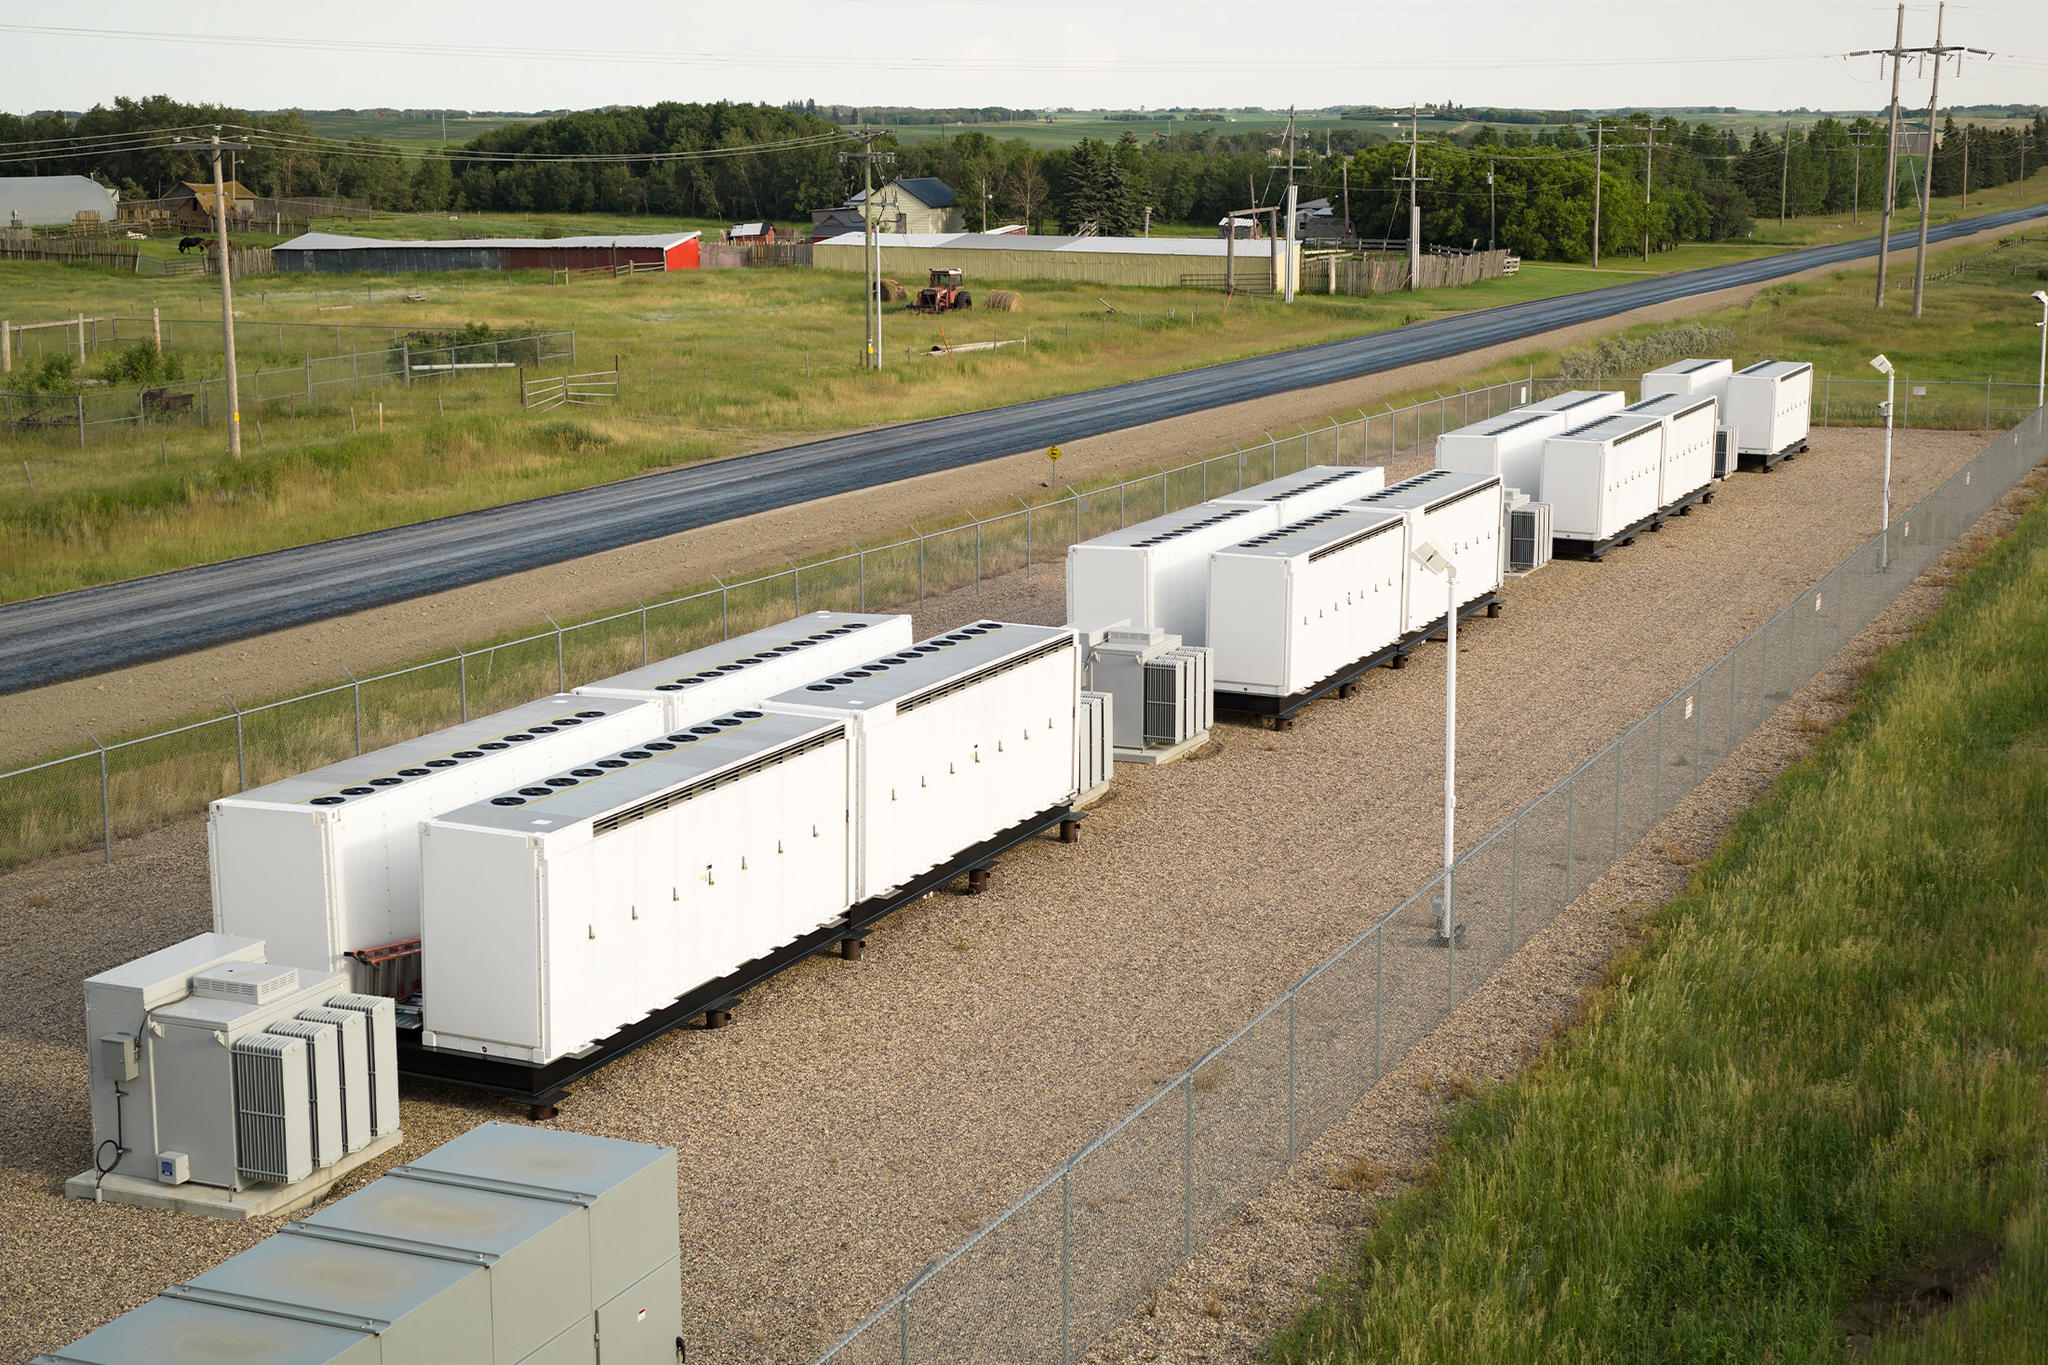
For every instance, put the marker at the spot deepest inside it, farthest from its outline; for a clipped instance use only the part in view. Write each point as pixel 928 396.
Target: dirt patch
pixel 49 719
pixel 1933 1286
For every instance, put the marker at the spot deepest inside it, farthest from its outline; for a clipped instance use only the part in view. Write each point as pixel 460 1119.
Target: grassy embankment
pixel 1807 1112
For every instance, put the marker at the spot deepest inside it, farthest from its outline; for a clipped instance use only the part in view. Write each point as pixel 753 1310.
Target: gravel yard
pixel 859 1119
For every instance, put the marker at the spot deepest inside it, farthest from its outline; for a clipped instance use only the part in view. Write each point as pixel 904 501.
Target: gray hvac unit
pixel 380 1035
pixel 323 1083
pixel 349 1025
pixel 1176 697
pixel 1528 537
pixel 273 1114
pixel 1724 452
pixel 1202 664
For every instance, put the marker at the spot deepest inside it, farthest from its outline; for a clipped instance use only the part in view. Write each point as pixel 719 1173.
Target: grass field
pixel 419 129
pixel 1810 1104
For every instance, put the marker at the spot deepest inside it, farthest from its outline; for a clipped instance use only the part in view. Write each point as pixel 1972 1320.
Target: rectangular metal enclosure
pixel 741 671
pixel 1509 445
pixel 1316 489
pixel 559 912
pixel 1464 514
pixel 1291 607
pixel 1156 573
pixel 327 862
pixel 1601 479
pixel 1688 379
pixel 1769 405
pixel 1580 405
pixel 1093 728
pixel 958 738
pixel 1687 461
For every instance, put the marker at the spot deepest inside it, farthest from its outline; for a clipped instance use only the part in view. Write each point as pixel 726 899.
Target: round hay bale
pixel 1004 300
pixel 892 291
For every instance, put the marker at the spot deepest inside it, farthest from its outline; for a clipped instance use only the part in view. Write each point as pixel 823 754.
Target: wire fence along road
pixel 135 784
pixel 94 629
pixel 1079 1255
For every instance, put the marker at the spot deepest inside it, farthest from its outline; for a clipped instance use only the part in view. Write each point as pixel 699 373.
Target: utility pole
pixel 1289 248
pixel 1938 52
pixel 1965 206
pixel 1649 151
pixel 227 288
pixel 1856 180
pixel 1784 176
pixel 1344 174
pixel 872 243
pixel 1891 152
pixel 1489 206
pixel 1599 147
pixel 1414 181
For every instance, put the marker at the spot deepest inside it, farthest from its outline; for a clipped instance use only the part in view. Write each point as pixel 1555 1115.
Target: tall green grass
pixel 1815 1090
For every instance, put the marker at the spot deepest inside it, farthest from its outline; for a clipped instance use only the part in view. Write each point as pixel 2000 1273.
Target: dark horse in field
pixel 188 243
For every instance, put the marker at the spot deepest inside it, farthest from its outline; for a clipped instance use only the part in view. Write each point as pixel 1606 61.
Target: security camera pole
pixel 1431 557
pixel 1891 380
pixel 2041 382
pixel 227 288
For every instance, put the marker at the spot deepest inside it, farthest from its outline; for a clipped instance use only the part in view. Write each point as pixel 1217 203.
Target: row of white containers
pixel 1767 406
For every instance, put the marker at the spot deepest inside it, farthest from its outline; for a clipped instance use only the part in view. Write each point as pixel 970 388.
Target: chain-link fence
pixel 1082 1251
pixel 136 784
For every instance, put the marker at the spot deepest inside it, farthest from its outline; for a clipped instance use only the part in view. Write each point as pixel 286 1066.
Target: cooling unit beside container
pixel 224 1084
pixel 1529 537
pixel 326 864
pixel 1769 405
pixel 1094 759
pixel 1689 379
pixel 1726 456
pixel 1602 482
pixel 560 912
pixel 1300 611
pixel 740 671
pixel 510 1245
pixel 1155 575
pixel 964 742
pixel 1315 489
pixel 1463 513
pixel 1161 705
pixel 1685 472
pixel 1579 406
pixel 1509 445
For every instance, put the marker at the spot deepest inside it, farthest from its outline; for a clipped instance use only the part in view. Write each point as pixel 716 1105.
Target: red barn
pixel 323 251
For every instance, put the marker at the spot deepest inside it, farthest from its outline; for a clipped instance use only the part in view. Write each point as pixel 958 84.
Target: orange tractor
pixel 943 294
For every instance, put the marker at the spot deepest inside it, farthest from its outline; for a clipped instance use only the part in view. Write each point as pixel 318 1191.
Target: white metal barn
pixel 1156 573
pixel 1289 608
pixel 560 911
pixel 1687 465
pixel 1601 479
pixel 1509 445
pixel 1689 379
pixel 1581 405
pixel 1769 405
pixel 958 739
pixel 1318 488
pixel 1463 513
pixel 741 671
pixel 328 862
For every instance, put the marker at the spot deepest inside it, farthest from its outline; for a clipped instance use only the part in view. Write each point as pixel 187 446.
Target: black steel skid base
pixel 1766 463
pixel 1683 507
pixel 543 1087
pixel 1596 550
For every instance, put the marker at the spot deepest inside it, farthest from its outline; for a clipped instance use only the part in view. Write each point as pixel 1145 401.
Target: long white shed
pixel 1689 379
pixel 740 671
pixel 1508 444
pixel 328 862
pixel 1770 406
pixel 958 739
pixel 560 911
pixel 1156 573
pixel 1318 488
pixel 1464 514
pixel 1687 463
pixel 1289 608
pixel 1601 479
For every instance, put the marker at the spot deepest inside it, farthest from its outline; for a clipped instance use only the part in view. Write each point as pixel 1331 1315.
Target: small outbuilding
pixel 326 251
pixel 753 234
pixel 919 204
pixel 50 200
pixel 191 205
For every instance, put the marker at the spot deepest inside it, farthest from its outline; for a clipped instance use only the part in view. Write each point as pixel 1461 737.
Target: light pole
pixel 2041 381
pixel 1891 380
pixel 1432 558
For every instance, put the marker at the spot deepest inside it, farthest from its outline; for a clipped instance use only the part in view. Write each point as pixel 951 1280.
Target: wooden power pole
pixel 1891 152
pixel 1599 147
pixel 871 255
pixel 215 146
pixel 1938 52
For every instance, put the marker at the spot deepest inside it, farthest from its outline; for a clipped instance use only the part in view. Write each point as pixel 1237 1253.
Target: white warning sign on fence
pixel 1688 708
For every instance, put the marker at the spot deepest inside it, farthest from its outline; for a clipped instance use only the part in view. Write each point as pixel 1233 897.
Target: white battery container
pixel 1156 574
pixel 1580 405
pixel 1688 447
pixel 1316 489
pixel 1463 513
pixel 560 911
pixel 1291 607
pixel 740 671
pixel 1770 406
pixel 1601 479
pixel 327 862
pixel 1689 379
pixel 959 738
pixel 1509 444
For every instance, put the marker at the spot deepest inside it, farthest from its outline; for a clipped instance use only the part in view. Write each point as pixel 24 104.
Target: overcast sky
pixel 1023 53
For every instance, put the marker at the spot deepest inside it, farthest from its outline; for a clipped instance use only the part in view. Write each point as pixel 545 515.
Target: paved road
pixel 91 630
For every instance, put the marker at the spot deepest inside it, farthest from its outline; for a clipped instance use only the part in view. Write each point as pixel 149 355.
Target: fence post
pixel 357 689
pixel 309 376
pixel 1616 856
pixel 106 807
pixel 522 388
pixel 6 347
pixel 462 676
pixel 1514 878
pixel 1571 790
pixel 1292 997
pixel 241 763
pixel 156 329
pixel 920 567
pixel 81 421
pixel 643 627
pixel 405 359
pixel 1188 1171
pixel 561 667
pixel 1066 1267
pixel 724 607
pixel 1657 799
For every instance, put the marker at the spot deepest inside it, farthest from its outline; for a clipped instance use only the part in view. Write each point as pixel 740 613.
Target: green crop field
pixel 1805 1121
pixel 394 125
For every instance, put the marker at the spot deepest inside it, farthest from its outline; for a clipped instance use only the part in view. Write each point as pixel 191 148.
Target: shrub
pixel 141 364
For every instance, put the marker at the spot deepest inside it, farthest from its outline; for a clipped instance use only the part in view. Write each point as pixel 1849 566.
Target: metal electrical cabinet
pixel 508 1246
pixel 740 671
pixel 328 862
pixel 1464 514
pixel 1601 479
pixel 1579 405
pixel 1291 607
pixel 1687 463
pixel 1156 574
pixel 958 739
pixel 1689 379
pixel 1770 406
pixel 1315 489
pixel 1094 726
pixel 1509 445
pixel 561 911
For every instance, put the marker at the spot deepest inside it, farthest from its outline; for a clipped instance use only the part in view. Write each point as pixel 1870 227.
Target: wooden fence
pixel 78 250
pixel 1389 274
pixel 732 255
